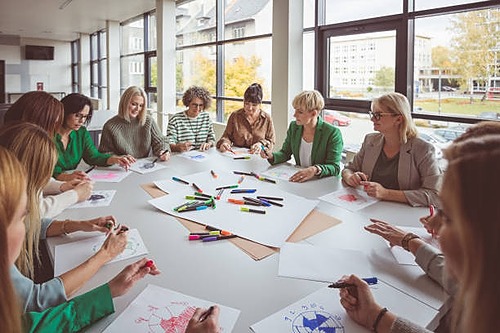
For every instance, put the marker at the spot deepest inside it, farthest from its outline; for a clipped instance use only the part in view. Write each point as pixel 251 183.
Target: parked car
pixel 438 142
pixel 336 118
pixel 450 134
pixel 489 115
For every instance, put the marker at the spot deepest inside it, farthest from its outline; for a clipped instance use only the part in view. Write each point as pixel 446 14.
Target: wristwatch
pixel 318 170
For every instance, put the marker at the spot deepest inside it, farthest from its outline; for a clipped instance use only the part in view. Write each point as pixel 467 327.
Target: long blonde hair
pixel 37 152
pixel 397 103
pixel 12 186
pixel 125 101
pixel 473 170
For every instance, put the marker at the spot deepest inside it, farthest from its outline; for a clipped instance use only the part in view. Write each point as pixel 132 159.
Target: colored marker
pixel 265 197
pixel 214 174
pixel 273 203
pixel 241 158
pixel 197 188
pixel 222 232
pixel 219 194
pixel 149 264
pixel 189 209
pixel 180 180
pixel 216 238
pixel 244 190
pixel 108 225
pixel 269 180
pixel 243 173
pixel 226 187
pixel 206 314
pixel 236 201
pixel 251 203
pixel 195 197
pixel 199 233
pixel 242 178
pixel 431 210
pixel 265 202
pixel 256 201
pixel 207 196
pixel 90 169
pixel 370 281
pixel 250 210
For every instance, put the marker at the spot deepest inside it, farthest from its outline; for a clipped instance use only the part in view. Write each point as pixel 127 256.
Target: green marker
pixel 250 210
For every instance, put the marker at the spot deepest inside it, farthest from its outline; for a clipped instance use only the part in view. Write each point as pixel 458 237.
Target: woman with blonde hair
pixel 315 144
pixel 395 164
pixel 134 132
pixel 36 151
pixel 469 239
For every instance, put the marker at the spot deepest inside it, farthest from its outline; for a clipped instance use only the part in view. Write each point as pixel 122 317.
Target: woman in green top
pixel 315 145
pixel 81 311
pixel 73 141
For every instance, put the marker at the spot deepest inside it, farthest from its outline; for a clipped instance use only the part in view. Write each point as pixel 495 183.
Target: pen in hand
pixel 207 313
pixel 370 281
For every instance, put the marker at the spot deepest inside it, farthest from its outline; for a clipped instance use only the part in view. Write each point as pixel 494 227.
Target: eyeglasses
pixel 378 115
pixel 80 116
pixel 194 105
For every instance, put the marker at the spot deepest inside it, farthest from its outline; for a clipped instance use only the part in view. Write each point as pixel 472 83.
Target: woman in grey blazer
pixel 395 164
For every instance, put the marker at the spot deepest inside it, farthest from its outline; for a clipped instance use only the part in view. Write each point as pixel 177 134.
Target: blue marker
pixel 370 281
pixel 189 209
pixel 244 190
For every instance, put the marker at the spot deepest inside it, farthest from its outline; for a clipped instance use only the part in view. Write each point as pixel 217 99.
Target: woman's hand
pixel 255 148
pixel 205 146
pixel 126 279
pixel 69 185
pixel 125 161
pixel 165 156
pixel 201 323
pixel 358 301
pixel 184 146
pixel 76 175
pixel 225 147
pixel 114 244
pixel 267 154
pixel 355 179
pixel 103 224
pixel 387 231
pixel 304 175
pixel 374 189
pixel 84 190
pixel 432 224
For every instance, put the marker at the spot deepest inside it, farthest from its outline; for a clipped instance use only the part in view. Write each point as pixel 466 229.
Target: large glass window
pixel 348 10
pixel 75 66
pixel 98 58
pixel 224 46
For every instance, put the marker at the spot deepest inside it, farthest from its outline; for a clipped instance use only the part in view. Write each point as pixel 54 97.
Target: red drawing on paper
pixel 348 197
pixel 172 318
pixel 107 176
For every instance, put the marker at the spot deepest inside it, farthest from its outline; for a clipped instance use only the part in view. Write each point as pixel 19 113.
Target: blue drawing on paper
pixel 317 322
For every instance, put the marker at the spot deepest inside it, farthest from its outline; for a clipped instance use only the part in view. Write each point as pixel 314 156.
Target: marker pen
pixel 149 264
pixel 206 314
pixel 241 158
pixel 256 201
pixel 431 210
pixel 241 179
pixel 236 201
pixel 208 196
pixel 268 180
pixel 90 169
pixel 273 203
pixel 190 209
pixel 250 210
pixel 265 197
pixel 243 173
pixel 216 238
pixel 226 187
pixel 214 174
pixel 370 281
pixel 197 188
pixel 265 202
pixel 180 180
pixel 244 190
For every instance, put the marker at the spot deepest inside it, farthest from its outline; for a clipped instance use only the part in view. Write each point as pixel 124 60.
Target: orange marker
pixel 236 201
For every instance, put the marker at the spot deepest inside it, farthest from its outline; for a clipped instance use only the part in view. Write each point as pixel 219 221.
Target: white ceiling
pixel 43 18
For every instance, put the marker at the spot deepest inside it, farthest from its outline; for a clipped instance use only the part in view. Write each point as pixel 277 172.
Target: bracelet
pixel 377 320
pixel 405 242
pixel 63 227
pixel 318 170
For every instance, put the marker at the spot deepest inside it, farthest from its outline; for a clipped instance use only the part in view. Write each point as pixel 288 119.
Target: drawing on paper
pixel 96 197
pixel 314 319
pixel 131 248
pixel 172 318
pixel 101 198
pixel 105 176
pixel 351 198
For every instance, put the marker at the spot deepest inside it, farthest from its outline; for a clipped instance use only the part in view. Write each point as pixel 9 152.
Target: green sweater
pixel 326 150
pixel 73 315
pixel 80 146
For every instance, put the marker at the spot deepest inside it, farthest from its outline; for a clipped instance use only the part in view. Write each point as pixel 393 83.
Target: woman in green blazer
pixel 315 145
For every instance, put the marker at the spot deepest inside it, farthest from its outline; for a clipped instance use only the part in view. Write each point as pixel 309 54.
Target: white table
pixel 222 273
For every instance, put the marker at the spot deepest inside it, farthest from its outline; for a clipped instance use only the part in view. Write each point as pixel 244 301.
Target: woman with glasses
pixel 133 131
pixel 468 237
pixel 192 128
pixel 249 127
pixel 395 164
pixel 73 141
pixel 315 144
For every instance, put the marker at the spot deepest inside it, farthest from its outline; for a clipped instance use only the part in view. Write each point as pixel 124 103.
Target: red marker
pixel 431 210
pixel 149 264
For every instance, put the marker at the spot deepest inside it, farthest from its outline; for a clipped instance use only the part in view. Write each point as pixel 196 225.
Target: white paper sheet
pixel 349 198
pixel 404 257
pixel 281 171
pixel 195 155
pixel 238 152
pixel 146 165
pixel 112 174
pixel 272 228
pixel 305 261
pixel 162 310
pixel 171 186
pixel 321 312
pixel 70 255
pixel 97 199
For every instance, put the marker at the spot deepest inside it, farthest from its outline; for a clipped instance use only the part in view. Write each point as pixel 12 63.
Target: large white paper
pixel 195 155
pixel 305 261
pixel 272 228
pixel 404 257
pixel 321 312
pixel 282 171
pixel 97 199
pixel 349 198
pixel 70 255
pixel 112 174
pixel 171 186
pixel 162 310
pixel 238 152
pixel 146 165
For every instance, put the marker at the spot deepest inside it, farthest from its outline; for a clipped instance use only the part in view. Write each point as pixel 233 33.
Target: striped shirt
pixel 199 130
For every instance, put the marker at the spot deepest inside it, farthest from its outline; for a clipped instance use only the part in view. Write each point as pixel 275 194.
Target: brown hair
pixel 253 94
pixel 12 186
pixel 37 152
pixel 197 92
pixel 37 107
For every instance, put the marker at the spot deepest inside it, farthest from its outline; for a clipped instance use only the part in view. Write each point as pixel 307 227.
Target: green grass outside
pixel 456 106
